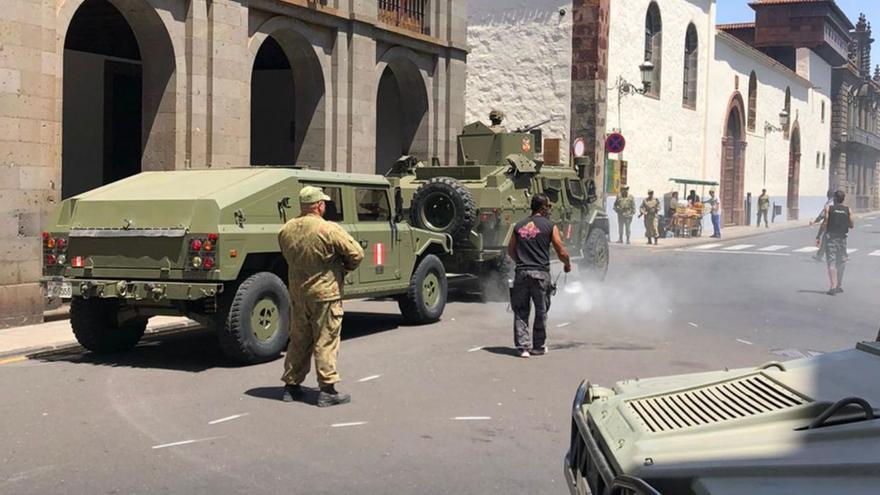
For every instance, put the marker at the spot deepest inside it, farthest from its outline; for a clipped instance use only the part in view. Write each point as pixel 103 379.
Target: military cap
pixel 312 194
pixel 650 191
pixel 625 187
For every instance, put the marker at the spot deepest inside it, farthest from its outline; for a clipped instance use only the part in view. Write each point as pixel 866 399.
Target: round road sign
pixel 615 143
pixel 579 148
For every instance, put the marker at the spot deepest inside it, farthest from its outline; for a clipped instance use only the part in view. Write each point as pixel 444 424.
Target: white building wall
pixel 520 63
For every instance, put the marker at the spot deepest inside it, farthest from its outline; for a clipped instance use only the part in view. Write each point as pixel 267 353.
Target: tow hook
pixel 158 292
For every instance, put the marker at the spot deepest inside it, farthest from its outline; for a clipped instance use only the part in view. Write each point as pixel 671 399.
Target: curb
pixel 50 349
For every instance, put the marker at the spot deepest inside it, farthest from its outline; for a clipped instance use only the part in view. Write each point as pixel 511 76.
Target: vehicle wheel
pixel 95 325
pixel 254 321
pixel 444 205
pixel 594 263
pixel 425 299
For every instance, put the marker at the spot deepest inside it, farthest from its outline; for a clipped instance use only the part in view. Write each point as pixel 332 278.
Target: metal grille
pixel 407 14
pixel 735 399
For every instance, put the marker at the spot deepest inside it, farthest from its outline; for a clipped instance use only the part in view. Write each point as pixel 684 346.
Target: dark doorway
pixel 732 166
pixel 273 107
pixel 401 115
pixel 102 99
pixel 794 173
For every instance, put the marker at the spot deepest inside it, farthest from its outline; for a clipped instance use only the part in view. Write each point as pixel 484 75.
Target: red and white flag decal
pixel 379 254
pixel 78 262
pixel 568 232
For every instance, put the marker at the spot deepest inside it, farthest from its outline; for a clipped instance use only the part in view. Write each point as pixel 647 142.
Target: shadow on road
pixel 197 350
pixel 504 351
pixel 310 395
pixel 806 291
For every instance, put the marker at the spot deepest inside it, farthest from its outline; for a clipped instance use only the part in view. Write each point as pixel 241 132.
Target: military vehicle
pixel 806 426
pixel 478 200
pixel 204 244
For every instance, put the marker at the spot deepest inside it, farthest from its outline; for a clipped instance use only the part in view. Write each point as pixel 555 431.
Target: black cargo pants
pixel 530 287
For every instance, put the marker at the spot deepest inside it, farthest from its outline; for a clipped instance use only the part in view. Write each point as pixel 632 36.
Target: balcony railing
pixel 863 137
pixel 407 14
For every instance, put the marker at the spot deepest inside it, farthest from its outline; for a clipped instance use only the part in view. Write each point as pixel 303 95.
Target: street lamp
pixel 625 88
pixel 768 128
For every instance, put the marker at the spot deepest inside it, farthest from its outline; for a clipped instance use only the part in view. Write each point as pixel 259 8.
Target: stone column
pixel 228 85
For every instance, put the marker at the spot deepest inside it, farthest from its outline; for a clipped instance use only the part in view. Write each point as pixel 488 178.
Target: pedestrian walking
pixel 529 247
pixel 715 211
pixel 763 207
pixel 650 209
pixel 625 206
pixel 318 254
pixel 837 224
pixel 820 235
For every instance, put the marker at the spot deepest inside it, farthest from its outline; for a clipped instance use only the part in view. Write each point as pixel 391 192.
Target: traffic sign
pixel 579 148
pixel 615 143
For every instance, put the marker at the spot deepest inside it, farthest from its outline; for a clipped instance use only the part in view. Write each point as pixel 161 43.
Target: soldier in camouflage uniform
pixel 625 206
pixel 318 255
pixel 650 208
pixel 495 118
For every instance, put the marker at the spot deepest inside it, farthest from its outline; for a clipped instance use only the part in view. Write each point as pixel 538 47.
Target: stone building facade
pixel 713 109
pixel 95 90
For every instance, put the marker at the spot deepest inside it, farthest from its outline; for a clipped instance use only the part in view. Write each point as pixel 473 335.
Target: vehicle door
pixel 560 215
pixel 336 211
pixel 377 235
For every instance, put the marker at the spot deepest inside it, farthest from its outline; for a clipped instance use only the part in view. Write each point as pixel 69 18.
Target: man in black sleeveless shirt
pixel 529 247
pixel 837 223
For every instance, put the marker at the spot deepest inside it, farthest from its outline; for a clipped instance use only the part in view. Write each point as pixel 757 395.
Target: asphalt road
pixel 444 408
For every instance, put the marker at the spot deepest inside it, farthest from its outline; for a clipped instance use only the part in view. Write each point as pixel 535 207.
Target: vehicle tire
pixel 95 326
pixel 425 298
pixel 254 321
pixel 444 205
pixel 595 254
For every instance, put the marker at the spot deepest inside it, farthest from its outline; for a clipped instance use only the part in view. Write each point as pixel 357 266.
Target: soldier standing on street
pixel 529 247
pixel 837 224
pixel 763 207
pixel 625 206
pixel 650 208
pixel 496 117
pixel 318 254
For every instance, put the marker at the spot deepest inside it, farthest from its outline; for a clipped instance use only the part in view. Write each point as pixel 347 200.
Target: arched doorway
pixel 794 172
pixel 733 164
pixel 114 85
pixel 401 114
pixel 287 103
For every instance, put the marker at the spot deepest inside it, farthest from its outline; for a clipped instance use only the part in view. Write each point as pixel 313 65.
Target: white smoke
pixel 637 297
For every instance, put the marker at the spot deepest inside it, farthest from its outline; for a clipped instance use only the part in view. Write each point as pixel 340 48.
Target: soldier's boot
pixel 656 241
pixel 292 393
pixel 330 397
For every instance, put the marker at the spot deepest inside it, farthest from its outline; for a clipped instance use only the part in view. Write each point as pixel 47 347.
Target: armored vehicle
pixel 204 244
pixel 478 201
pixel 803 427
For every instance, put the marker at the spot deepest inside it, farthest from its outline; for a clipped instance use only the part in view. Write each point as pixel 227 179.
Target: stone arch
pixel 402 108
pixel 733 146
pixel 794 172
pixel 118 109
pixel 288 115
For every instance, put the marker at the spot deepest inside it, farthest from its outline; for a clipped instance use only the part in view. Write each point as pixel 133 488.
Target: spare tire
pixel 444 205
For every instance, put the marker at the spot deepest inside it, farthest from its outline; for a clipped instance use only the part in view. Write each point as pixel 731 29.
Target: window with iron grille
pixel 407 14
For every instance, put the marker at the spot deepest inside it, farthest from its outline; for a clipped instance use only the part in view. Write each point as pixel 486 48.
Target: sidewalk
pixel 20 342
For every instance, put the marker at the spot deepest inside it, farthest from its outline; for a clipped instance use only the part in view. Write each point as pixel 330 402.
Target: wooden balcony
pixel 405 14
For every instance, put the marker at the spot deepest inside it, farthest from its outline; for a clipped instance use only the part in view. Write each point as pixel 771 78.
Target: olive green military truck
pixel 204 244
pixel 479 200
pixel 802 427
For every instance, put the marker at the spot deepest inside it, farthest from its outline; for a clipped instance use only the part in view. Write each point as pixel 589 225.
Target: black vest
pixel 838 220
pixel 533 243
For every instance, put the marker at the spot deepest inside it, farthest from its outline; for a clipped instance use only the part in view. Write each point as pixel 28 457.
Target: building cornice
pixel 747 50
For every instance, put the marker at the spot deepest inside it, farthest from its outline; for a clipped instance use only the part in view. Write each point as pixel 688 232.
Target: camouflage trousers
pixel 530 287
pixel 652 226
pixel 314 331
pixel 835 252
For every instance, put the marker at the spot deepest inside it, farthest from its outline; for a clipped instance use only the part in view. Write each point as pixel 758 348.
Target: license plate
pixel 59 289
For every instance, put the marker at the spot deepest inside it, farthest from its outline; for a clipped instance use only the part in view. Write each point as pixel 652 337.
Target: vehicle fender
pixel 598 219
pixel 443 241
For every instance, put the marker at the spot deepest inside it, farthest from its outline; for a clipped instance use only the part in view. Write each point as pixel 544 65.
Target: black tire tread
pixel 588 262
pixel 94 325
pixel 414 313
pixel 231 334
pixel 468 216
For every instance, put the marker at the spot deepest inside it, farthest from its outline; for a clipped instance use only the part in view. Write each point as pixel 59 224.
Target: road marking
pixel 471 418
pixel 563 324
pixel 344 425
pixel 693 324
pixel 475 349
pixel 718 251
pixel 808 249
pixel 867 225
pixel 739 247
pixel 775 247
pixel 851 250
pixel 746 342
pixel 875 253
pixel 368 378
pixel 227 418
pixel 707 246
pixel 14 359
pixel 185 442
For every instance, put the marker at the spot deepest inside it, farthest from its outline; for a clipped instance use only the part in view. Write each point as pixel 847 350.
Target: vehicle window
pixel 552 188
pixel 334 210
pixel 372 205
pixel 575 189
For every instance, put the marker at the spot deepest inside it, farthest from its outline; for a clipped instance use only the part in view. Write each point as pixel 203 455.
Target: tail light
pixel 78 262
pixel 208 263
pixel 201 252
pixel 54 248
pixel 51 259
pixel 196 245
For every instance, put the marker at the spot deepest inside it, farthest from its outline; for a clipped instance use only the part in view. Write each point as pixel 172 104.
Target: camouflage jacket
pixel 650 207
pixel 318 254
pixel 763 202
pixel 625 206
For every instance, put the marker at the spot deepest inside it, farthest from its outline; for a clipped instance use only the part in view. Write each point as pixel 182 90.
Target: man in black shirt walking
pixel 529 247
pixel 836 225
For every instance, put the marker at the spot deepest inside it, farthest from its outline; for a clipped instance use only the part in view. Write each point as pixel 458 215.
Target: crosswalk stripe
pixel 851 250
pixel 707 246
pixel 775 247
pixel 739 247
pixel 808 249
pixel 875 253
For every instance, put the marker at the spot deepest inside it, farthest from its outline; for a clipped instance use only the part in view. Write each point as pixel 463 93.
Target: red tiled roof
pixel 782 2
pixel 736 26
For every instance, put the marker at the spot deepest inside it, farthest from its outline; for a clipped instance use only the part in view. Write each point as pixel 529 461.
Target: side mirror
pixel 398 205
pixel 591 190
